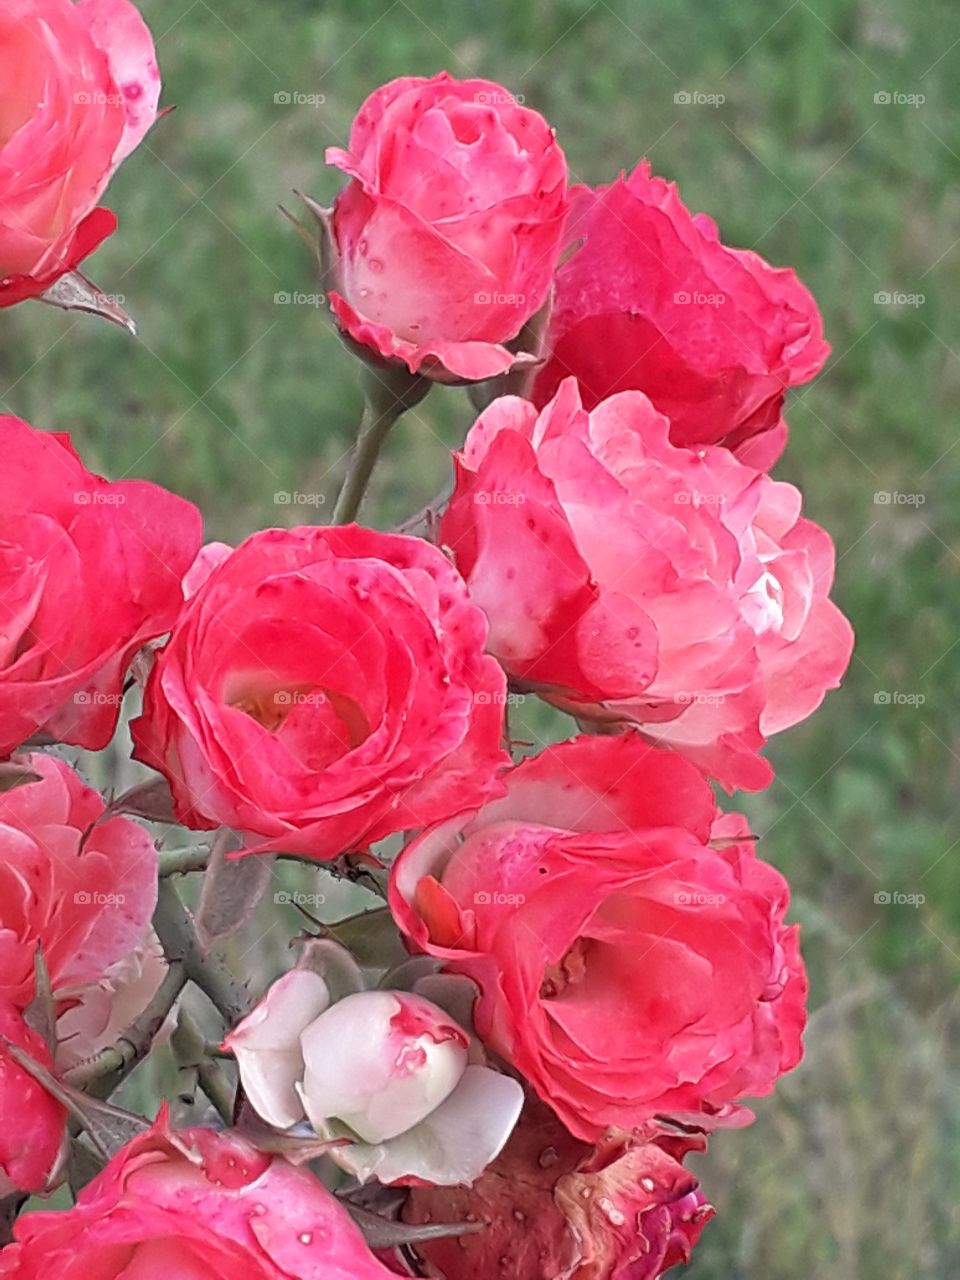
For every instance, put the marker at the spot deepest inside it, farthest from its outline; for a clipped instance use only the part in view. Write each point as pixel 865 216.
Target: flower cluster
pixel 599 973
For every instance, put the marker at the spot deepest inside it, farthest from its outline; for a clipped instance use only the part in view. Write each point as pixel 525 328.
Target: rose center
pixel 763 604
pixel 571 970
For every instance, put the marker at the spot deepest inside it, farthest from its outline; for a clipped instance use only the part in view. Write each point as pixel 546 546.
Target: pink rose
pixel 33 1127
pixel 80 89
pixel 193 1204
pixel 447 235
pixel 627 580
pixel 389 1075
pixel 89 572
pixel 629 947
pixel 75 882
pixel 80 887
pixel 553 1206
pixel 652 301
pixel 324 688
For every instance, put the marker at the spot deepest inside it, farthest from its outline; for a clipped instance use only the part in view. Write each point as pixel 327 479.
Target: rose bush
pixel 553 1206
pixel 446 237
pixel 323 688
pixel 388 1074
pixel 78 90
pixel 653 301
pixel 90 571
pixel 628 966
pixel 627 580
pixel 197 1205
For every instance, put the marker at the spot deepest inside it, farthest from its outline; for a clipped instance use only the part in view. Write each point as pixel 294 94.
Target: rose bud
pixel 89 573
pixel 322 689
pixel 551 1206
pixel 629 946
pixel 388 1073
pixel 631 582
pixel 193 1204
pixel 445 239
pixel 653 301
pixel 80 90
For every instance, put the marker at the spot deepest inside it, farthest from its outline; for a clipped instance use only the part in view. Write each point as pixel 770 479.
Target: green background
pixel 228 397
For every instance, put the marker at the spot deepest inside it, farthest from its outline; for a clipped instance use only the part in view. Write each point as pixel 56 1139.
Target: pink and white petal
pixel 453 1145
pixel 118 29
pixel 266 1045
pixel 443 361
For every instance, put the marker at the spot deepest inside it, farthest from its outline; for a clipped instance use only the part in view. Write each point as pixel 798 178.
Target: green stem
pixel 190 1049
pixel 177 862
pixel 104 1072
pixel 388 394
pixel 175 929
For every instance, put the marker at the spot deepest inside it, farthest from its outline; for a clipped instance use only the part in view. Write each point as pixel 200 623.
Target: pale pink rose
pixel 80 87
pixel 630 581
pixel 388 1075
pixel 96 1014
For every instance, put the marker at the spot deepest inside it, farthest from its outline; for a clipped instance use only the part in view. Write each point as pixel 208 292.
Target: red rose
pixel 80 89
pixel 628 580
pixel 448 233
pixel 76 883
pixel 627 966
pixel 33 1127
pixel 194 1205
pixel 89 572
pixel 652 301
pixel 323 688
pixel 553 1206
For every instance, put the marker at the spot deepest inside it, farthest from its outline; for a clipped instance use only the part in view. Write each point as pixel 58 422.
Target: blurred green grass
pixel 229 397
